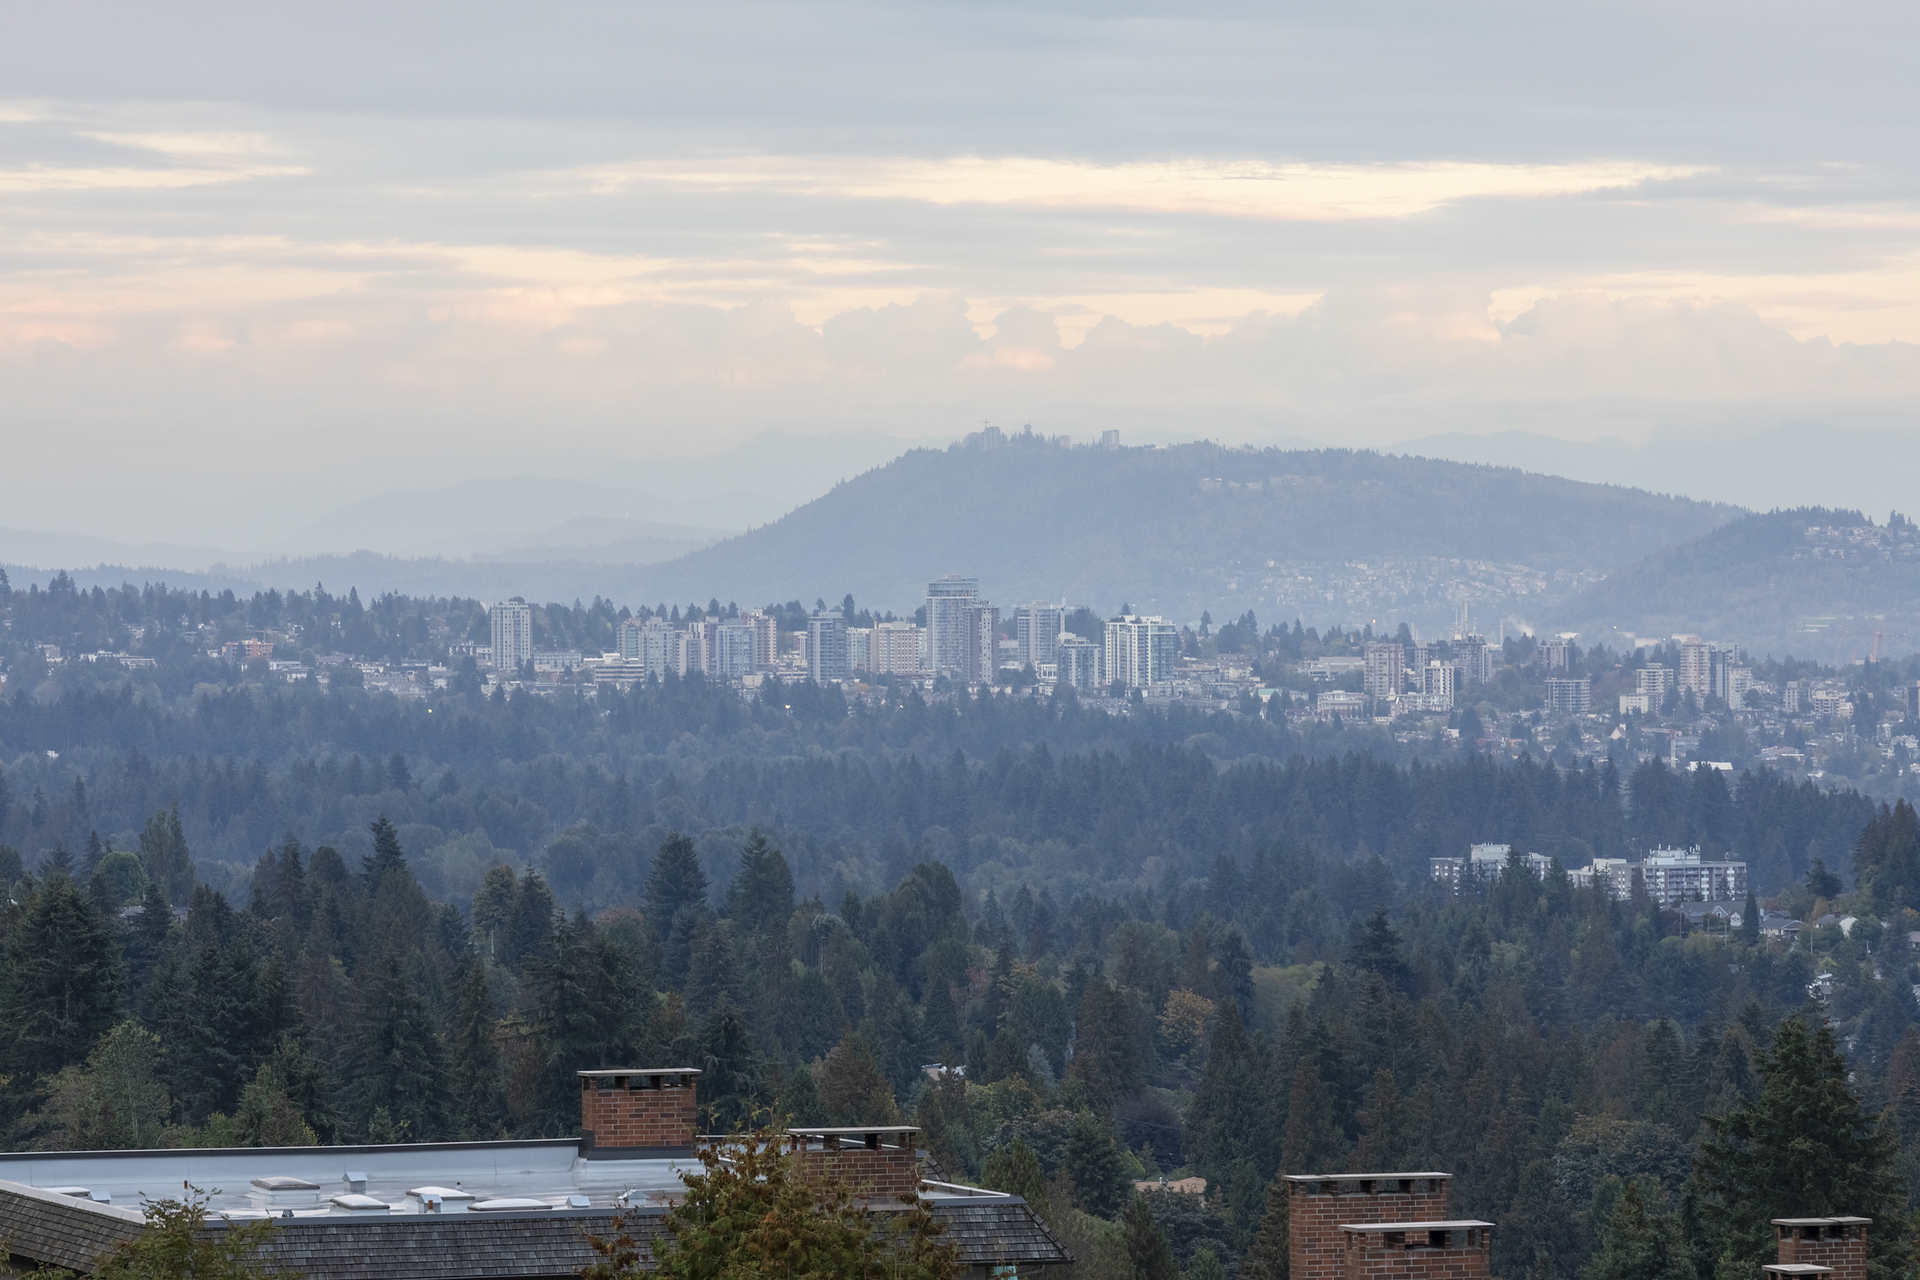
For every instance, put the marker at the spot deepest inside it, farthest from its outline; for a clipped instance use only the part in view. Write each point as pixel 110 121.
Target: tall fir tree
pixel 386 855
pixel 479 1097
pixel 675 882
pixel 164 854
pixel 61 987
pixel 761 892
pixel 1147 1251
pixel 1806 1148
pixel 394 1061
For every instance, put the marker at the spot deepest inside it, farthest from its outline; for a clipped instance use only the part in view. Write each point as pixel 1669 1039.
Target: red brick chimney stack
pixel 633 1113
pixel 1320 1204
pixel 1838 1244
pixel 878 1162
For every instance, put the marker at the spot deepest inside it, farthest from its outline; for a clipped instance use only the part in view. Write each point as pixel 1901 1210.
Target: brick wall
pixel 618 1115
pixel 1837 1243
pixel 1316 1247
pixel 868 1173
pixel 1369 1259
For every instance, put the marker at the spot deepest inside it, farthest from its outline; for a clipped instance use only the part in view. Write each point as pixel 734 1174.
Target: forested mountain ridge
pixel 1173 530
pixel 1809 581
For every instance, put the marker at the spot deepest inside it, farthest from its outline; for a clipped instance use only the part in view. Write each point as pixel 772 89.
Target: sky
pixel 260 261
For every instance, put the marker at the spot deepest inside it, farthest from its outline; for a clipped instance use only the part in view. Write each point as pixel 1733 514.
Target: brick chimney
pixel 878 1162
pixel 1443 1250
pixel 1838 1244
pixel 636 1113
pixel 1320 1204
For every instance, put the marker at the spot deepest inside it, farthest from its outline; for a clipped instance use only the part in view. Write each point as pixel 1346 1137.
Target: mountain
pixel 1325 535
pixel 489 517
pixel 1875 469
pixel 1810 581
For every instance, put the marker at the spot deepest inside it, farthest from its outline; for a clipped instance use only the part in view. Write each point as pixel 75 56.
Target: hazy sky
pixel 257 260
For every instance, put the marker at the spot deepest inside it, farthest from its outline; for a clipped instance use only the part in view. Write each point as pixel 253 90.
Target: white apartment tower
pixel 952 628
pixel 1077 663
pixel 827 647
pixel 1696 666
pixel 766 637
pixel 512 634
pixel 1383 678
pixel 1141 652
pixel 1037 627
pixel 894 649
pixel 734 651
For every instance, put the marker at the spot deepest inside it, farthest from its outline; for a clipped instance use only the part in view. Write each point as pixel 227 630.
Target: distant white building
pixel 512 633
pixel 952 625
pixel 860 648
pixel 827 648
pixel 1141 651
pixel 735 651
pixel 1437 680
pixel 1036 631
pixel 894 649
pixel 1077 663
pixel 1656 681
pixel 1485 862
pixel 1569 697
pixel 1631 703
pixel 1382 670
pixel 766 637
pixel 1670 876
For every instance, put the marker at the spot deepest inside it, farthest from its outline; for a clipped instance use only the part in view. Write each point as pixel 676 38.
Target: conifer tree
pixel 799 1101
pixel 1015 1169
pixel 1267 1258
pixel 730 1070
pixel 394 1059
pixel 1147 1250
pixel 761 892
pixel 163 851
pixel 1642 1243
pixel 588 1017
pixel 386 855
pixel 1313 1144
pixel 1804 1148
pixel 1093 1163
pixel 479 1110
pixel 61 986
pixel 675 882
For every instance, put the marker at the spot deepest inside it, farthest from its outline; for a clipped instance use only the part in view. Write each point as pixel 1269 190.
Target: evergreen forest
pixel 1082 950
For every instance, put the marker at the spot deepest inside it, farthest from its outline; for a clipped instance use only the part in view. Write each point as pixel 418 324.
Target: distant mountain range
pixel 1813 582
pixel 1325 536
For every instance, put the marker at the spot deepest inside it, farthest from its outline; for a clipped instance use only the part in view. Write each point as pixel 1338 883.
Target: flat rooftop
pixel 344 1213
pixel 550 1171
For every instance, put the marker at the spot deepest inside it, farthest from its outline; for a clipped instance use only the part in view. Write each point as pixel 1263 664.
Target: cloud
pixel 1239 189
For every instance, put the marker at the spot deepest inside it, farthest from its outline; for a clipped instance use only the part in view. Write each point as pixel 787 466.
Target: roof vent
pixel 441 1199
pixel 579 1202
pixel 507 1203
pixel 273 1192
pixel 361 1204
pixel 284 1184
pixel 78 1193
pixel 356 1183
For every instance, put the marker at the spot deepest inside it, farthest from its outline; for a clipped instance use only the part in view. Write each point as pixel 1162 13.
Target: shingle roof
pixel 56 1229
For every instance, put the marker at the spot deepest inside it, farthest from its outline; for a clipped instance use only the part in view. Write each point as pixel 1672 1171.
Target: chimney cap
pixel 1458 1225
pixel 1796 1269
pixel 1359 1177
pixel 642 1071
pixel 1821 1222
